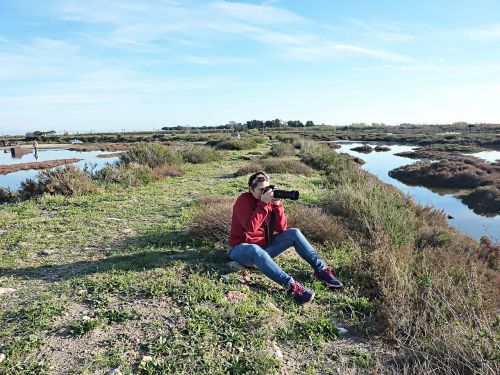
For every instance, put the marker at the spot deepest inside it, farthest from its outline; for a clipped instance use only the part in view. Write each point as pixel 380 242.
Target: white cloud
pixel 388 32
pixel 149 25
pixel 485 34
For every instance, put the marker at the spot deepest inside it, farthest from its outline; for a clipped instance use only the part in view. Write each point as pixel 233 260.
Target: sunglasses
pixel 261 179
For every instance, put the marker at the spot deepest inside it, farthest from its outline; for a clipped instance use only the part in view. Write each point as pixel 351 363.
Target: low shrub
pixel 151 154
pixel 276 166
pixel 370 209
pixel 67 180
pixel 282 149
pixel 212 222
pixel 7 196
pixel 316 224
pixel 431 236
pixel 197 154
pixel 133 174
pixel 436 304
pixel 244 143
pixel 167 170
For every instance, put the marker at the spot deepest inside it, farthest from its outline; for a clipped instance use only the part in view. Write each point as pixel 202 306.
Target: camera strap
pixel 269 229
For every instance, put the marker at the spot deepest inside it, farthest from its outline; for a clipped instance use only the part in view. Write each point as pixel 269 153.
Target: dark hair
pixel 254 179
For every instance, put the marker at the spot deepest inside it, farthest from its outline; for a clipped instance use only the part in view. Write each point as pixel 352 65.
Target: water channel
pixel 13 180
pixel 464 219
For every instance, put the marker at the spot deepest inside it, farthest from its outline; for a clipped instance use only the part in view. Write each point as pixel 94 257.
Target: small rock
pixel 6 290
pixel 86 317
pixel 81 292
pixel 226 278
pixel 146 359
pixel 234 266
pixel 342 330
pixel 115 371
pixel 278 354
pixel 271 306
pixel 127 230
pixel 2 357
pixel 45 252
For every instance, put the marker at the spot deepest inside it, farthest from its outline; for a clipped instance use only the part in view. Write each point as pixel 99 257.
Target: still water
pixel 13 180
pixel 464 219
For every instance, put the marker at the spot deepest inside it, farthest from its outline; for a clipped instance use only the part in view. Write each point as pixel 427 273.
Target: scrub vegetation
pixel 126 268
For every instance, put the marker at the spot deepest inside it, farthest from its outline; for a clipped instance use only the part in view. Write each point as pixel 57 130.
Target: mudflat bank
pixel 480 178
pixel 437 152
pixel 4 169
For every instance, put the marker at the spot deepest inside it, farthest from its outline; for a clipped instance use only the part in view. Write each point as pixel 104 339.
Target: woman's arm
pixel 250 219
pixel 280 222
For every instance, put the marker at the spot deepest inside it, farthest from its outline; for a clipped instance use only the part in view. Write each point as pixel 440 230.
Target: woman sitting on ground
pixel 259 233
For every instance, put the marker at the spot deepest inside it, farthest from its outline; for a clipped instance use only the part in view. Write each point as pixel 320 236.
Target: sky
pixel 125 65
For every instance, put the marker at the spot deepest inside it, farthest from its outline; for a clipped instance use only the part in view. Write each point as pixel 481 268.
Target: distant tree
pixel 255 124
pixel 309 123
pixel 295 123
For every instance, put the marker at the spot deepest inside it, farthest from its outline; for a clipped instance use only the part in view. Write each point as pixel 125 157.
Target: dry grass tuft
pixel 212 222
pixel 316 224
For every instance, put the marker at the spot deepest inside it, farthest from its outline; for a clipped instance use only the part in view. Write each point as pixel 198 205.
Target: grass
pixel 124 284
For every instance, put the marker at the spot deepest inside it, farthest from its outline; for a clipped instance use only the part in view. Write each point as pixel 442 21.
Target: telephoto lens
pixel 286 194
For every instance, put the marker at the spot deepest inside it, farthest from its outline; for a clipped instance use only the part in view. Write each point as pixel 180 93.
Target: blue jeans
pixel 250 254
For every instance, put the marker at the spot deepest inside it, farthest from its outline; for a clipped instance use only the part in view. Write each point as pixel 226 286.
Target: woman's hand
pixel 267 196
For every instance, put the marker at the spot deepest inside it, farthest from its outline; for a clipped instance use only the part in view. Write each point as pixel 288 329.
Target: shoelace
pixel 329 272
pixel 298 289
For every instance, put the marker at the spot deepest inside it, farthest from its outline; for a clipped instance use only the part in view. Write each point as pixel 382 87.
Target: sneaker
pixel 302 295
pixel 327 277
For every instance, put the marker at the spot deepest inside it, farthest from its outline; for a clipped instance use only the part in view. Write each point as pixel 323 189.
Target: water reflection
pixel 464 219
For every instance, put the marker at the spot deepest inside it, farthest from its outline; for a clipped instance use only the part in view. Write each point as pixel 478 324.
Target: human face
pixel 259 189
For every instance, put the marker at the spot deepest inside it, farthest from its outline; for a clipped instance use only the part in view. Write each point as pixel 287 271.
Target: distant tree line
pixel 252 124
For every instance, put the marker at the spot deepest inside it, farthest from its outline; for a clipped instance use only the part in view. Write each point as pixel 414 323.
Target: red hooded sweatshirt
pixel 249 216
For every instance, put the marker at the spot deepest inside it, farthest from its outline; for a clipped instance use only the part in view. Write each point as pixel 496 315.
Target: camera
pixel 283 194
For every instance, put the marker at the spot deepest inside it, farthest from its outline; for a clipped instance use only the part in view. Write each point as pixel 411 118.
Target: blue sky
pixel 131 65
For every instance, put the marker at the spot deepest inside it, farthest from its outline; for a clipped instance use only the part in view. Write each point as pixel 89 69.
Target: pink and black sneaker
pixel 327 277
pixel 302 295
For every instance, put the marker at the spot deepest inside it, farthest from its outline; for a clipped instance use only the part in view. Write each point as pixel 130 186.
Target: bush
pixel 6 196
pixel 134 174
pixel 199 154
pixel 212 222
pixel 437 305
pixel 67 180
pixel 371 209
pixel 151 154
pixel 282 149
pixel 245 143
pixel 315 224
pixel 276 166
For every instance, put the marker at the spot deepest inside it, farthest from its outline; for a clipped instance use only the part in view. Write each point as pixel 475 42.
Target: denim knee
pixel 257 253
pixel 295 232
